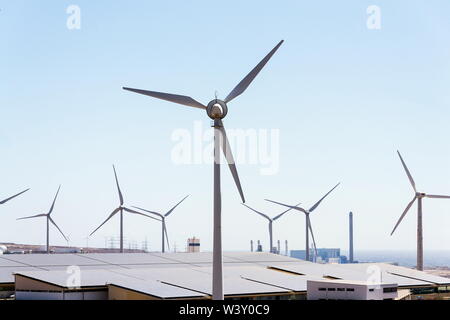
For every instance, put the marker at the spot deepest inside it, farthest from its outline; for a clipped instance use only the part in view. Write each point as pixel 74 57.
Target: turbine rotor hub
pixel 420 194
pixel 217 109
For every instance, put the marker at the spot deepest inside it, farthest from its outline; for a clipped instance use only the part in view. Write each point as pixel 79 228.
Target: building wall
pixel 117 293
pixel 53 295
pixel 24 283
pixel 348 291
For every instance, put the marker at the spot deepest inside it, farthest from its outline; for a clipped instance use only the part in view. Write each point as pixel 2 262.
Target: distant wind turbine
pixel 308 220
pixel 12 197
pixel 49 220
pixel 121 208
pixel 163 222
pixel 417 196
pixel 271 220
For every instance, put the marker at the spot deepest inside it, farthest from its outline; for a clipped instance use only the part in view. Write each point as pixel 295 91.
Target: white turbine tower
pixel 308 220
pixel 417 196
pixel 49 220
pixel 217 109
pixel 121 208
pixel 270 220
pixel 163 222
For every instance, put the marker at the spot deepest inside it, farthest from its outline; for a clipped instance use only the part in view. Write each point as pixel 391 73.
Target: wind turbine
pixel 163 222
pixel 217 110
pixel 417 196
pixel 271 220
pixel 49 220
pixel 308 220
pixel 121 208
pixel 12 197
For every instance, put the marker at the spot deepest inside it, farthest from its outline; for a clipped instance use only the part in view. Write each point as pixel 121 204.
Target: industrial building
pixel 171 276
pixel 353 290
pixel 326 255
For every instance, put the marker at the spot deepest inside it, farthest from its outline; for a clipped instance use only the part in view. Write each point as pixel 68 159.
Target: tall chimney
pixel 251 245
pixel 278 247
pixel 351 237
pixel 286 247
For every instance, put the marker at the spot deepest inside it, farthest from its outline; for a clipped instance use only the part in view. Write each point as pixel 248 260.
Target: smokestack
pixel 286 247
pixel 251 245
pixel 278 247
pixel 351 237
pixel 259 247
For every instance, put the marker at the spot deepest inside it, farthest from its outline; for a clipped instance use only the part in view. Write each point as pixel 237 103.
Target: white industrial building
pixel 172 276
pixel 351 290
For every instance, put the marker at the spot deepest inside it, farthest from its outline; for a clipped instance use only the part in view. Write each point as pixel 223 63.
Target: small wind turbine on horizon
pixel 121 208
pixel 12 197
pixel 308 220
pixel 217 110
pixel 271 220
pixel 49 220
pixel 163 222
pixel 417 196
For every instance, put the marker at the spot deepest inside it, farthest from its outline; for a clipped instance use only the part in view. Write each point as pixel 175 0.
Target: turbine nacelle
pixel 420 195
pixel 217 109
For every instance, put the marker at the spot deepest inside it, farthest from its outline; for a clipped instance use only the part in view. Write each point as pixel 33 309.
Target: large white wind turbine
pixel 271 220
pixel 217 110
pixel 121 208
pixel 49 220
pixel 308 220
pixel 417 196
pixel 163 222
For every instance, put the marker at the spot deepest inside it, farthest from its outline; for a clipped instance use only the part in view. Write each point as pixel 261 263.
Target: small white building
pixel 350 290
pixel 193 245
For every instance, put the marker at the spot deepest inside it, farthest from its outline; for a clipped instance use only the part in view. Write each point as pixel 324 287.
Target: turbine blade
pixel 152 212
pixel 54 200
pixel 167 236
pixel 437 196
pixel 118 187
pixel 171 210
pixel 404 213
pixel 281 214
pixel 185 100
pixel 30 217
pixel 411 180
pixel 139 213
pixel 260 213
pixel 53 222
pixel 110 216
pixel 12 197
pixel 312 235
pixel 243 85
pixel 318 202
pixel 229 157
pixel 289 206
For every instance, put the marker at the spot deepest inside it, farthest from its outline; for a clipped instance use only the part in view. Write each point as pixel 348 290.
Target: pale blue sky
pixel 343 97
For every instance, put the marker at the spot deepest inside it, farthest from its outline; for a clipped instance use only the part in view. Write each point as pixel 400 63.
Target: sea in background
pixel 432 258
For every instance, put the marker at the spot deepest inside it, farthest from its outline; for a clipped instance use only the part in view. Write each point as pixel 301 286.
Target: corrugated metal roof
pixel 156 289
pixel 402 272
pixel 244 273
pixel 366 273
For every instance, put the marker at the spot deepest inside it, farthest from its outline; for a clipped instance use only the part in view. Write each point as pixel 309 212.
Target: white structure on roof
pixel 350 290
pixel 193 245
